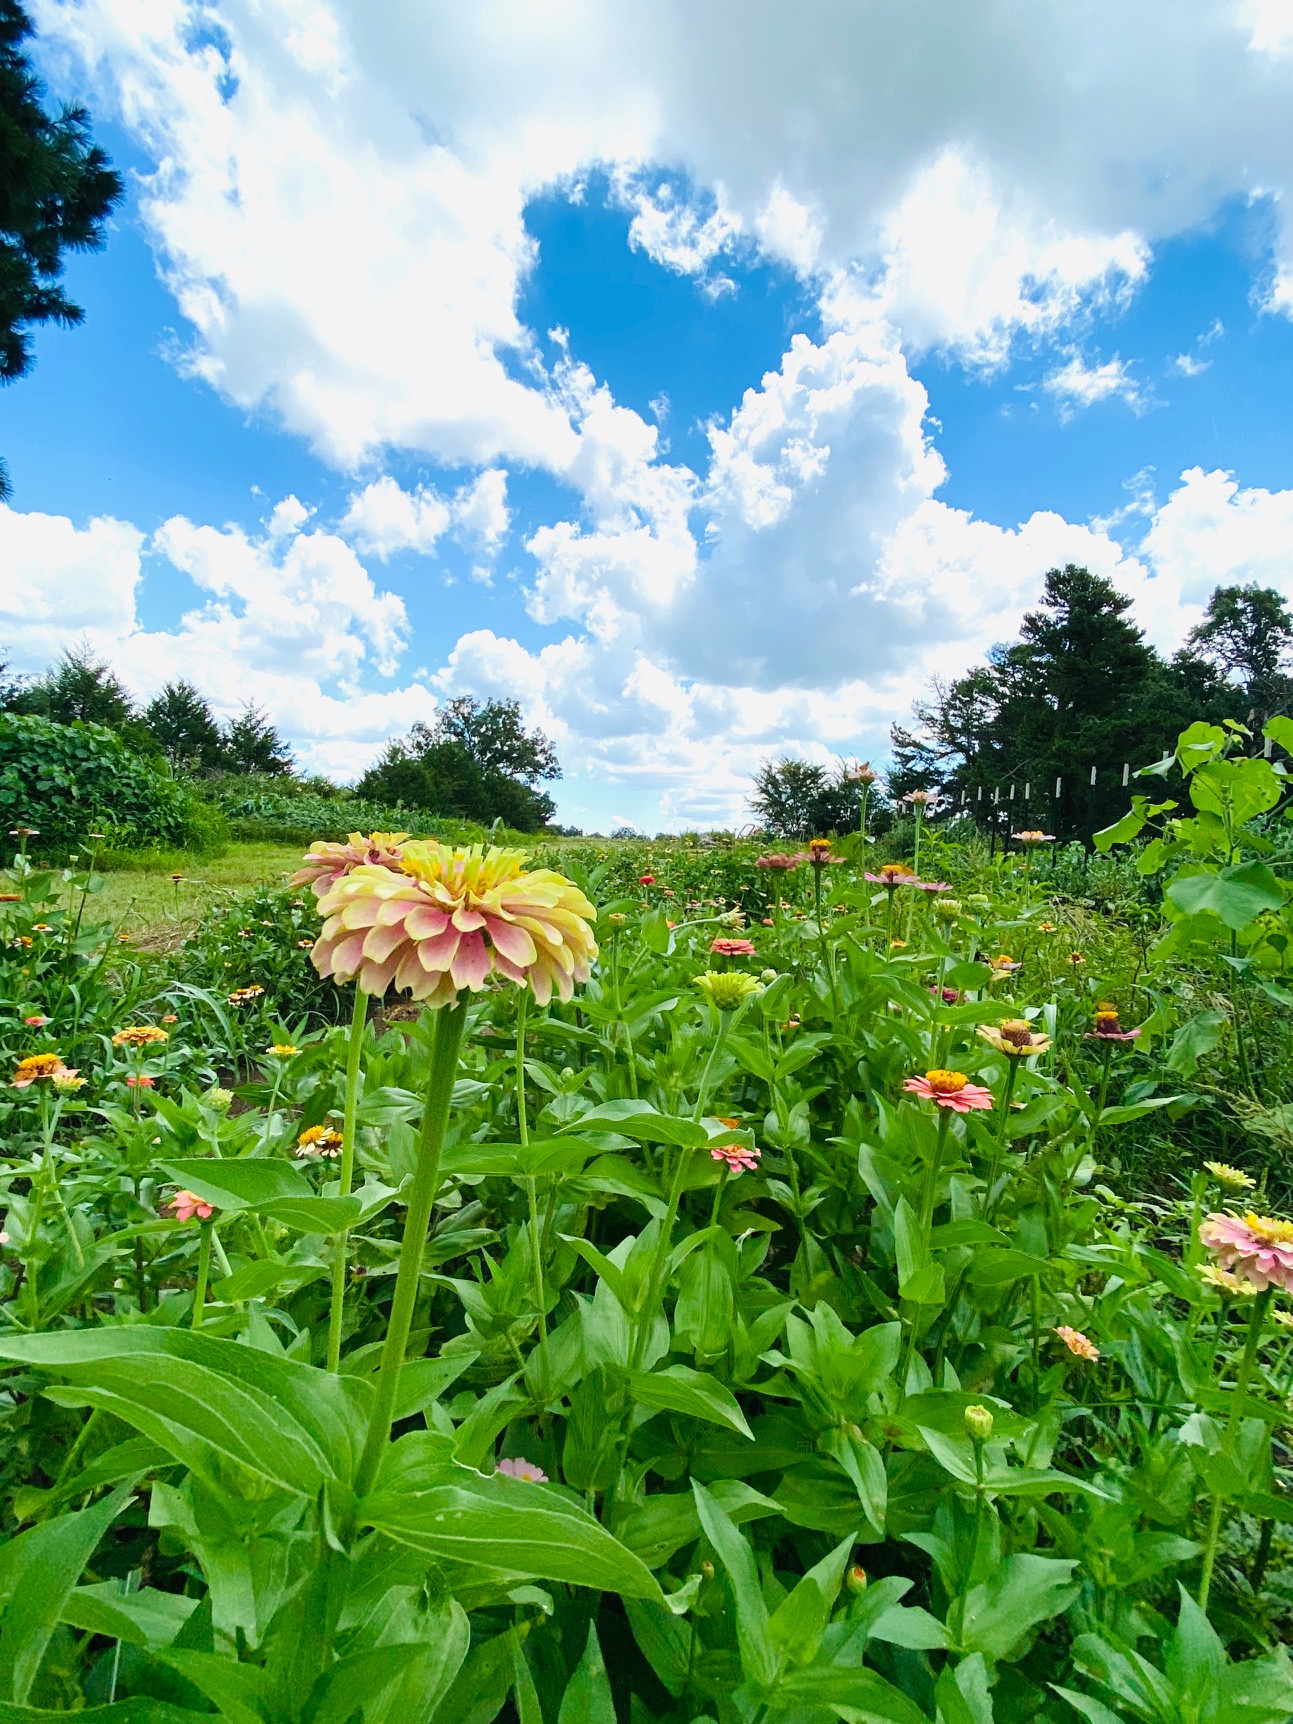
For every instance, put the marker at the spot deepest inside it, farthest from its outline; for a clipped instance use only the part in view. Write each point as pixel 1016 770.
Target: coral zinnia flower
pixel 320 1140
pixel 1077 1343
pixel 325 864
pixel 143 1081
pixel 740 1157
pixel 186 1204
pixel 139 1036
pixel 516 1467
pixel 1233 1177
pixel 1257 1247
pixel 40 1068
pixel 949 1089
pixel 1108 1028
pixel 733 948
pixel 450 919
pixel 1034 837
pixel 646 879
pixel 1014 1037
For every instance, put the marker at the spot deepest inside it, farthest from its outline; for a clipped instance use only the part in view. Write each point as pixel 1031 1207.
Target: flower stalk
pixel 449 1024
pixel 345 1176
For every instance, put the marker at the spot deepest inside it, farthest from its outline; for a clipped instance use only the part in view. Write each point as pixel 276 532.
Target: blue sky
pixel 427 359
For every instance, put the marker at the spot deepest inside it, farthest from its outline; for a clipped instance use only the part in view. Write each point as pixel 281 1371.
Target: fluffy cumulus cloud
pixel 337 202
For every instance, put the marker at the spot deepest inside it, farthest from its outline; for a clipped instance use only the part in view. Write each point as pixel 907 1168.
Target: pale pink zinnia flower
pixel 450 919
pixel 325 864
pixel 515 1467
pixel 950 1089
pixel 740 1157
pixel 733 948
pixel 1077 1343
pixel 1257 1247
pixel 186 1204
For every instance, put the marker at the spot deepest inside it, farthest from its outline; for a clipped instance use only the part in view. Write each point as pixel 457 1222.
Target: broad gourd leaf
pixel 1235 896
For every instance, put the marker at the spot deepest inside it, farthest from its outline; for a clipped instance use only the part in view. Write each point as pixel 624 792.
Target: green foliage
pixel 1079 689
pixel 477 762
pixel 798 798
pixel 742 1315
pixel 68 780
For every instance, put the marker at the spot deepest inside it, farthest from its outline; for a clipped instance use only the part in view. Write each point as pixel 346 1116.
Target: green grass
pixel 142 899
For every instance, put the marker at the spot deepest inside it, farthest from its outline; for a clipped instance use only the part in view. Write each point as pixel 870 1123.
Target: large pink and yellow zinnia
pixel 1258 1248
pixel 325 864
pixel 443 920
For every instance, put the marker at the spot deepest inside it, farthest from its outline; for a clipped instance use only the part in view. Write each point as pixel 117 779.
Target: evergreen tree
pixel 1247 635
pixel 82 687
pixel 250 743
pixel 477 762
pixel 56 191
pixel 184 727
pixel 1080 688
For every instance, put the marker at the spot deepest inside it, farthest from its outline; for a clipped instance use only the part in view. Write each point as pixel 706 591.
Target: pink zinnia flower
pixel 142 1081
pixel 931 885
pixel 645 880
pixel 1257 1247
pixel 515 1467
pixel 733 948
pixel 450 919
pixel 325 864
pixel 949 1089
pixel 777 860
pixel 36 1022
pixel 1077 1343
pixel 740 1157
pixel 186 1204
pixel 1108 1028
pixel 949 996
pixel 891 875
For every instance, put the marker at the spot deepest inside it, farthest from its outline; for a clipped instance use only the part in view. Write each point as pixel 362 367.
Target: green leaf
pixel 996 1616
pixel 799 1621
pixel 1196 1037
pixel 139 1711
pixel 860 1695
pixel 144 1618
pixel 962 1694
pixel 999 1268
pixel 507 1529
pixel 210 1403
pixel 587 1699
pixel 38 1570
pixel 268 1188
pixel 753 1635
pixel 678 1389
pixel 243 1692
pixel 1233 895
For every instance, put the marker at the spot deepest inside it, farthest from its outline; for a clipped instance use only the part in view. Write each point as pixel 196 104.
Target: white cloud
pixel 338 200
pixel 1076 385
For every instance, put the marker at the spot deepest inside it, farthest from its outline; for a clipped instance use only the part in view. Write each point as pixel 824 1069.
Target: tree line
pixel 474 761
pixel 1079 688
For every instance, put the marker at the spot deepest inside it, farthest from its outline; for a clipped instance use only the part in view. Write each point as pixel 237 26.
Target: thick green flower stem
pixel 929 1186
pixel 204 1272
pixel 531 1185
pixel 450 1021
pixel 346 1175
pixel 1256 1323
pixel 828 959
pixel 1003 1128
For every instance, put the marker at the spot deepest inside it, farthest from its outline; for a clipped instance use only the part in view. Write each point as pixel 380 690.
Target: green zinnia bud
pixel 219 1099
pixel 978 1424
pixel 727 988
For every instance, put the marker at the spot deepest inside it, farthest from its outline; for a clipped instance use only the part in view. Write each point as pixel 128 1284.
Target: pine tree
pixel 250 743
pixel 184 727
pixel 56 191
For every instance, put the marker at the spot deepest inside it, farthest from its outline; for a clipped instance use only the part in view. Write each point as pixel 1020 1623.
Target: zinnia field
pixel 662 1282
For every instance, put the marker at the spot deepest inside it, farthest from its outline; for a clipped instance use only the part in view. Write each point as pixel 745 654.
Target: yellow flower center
pixel 39 1065
pixel 946 1083
pixel 1269 1229
pixel 1106 1019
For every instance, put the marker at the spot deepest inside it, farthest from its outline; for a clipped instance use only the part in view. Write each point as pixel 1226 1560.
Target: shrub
pixel 66 780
